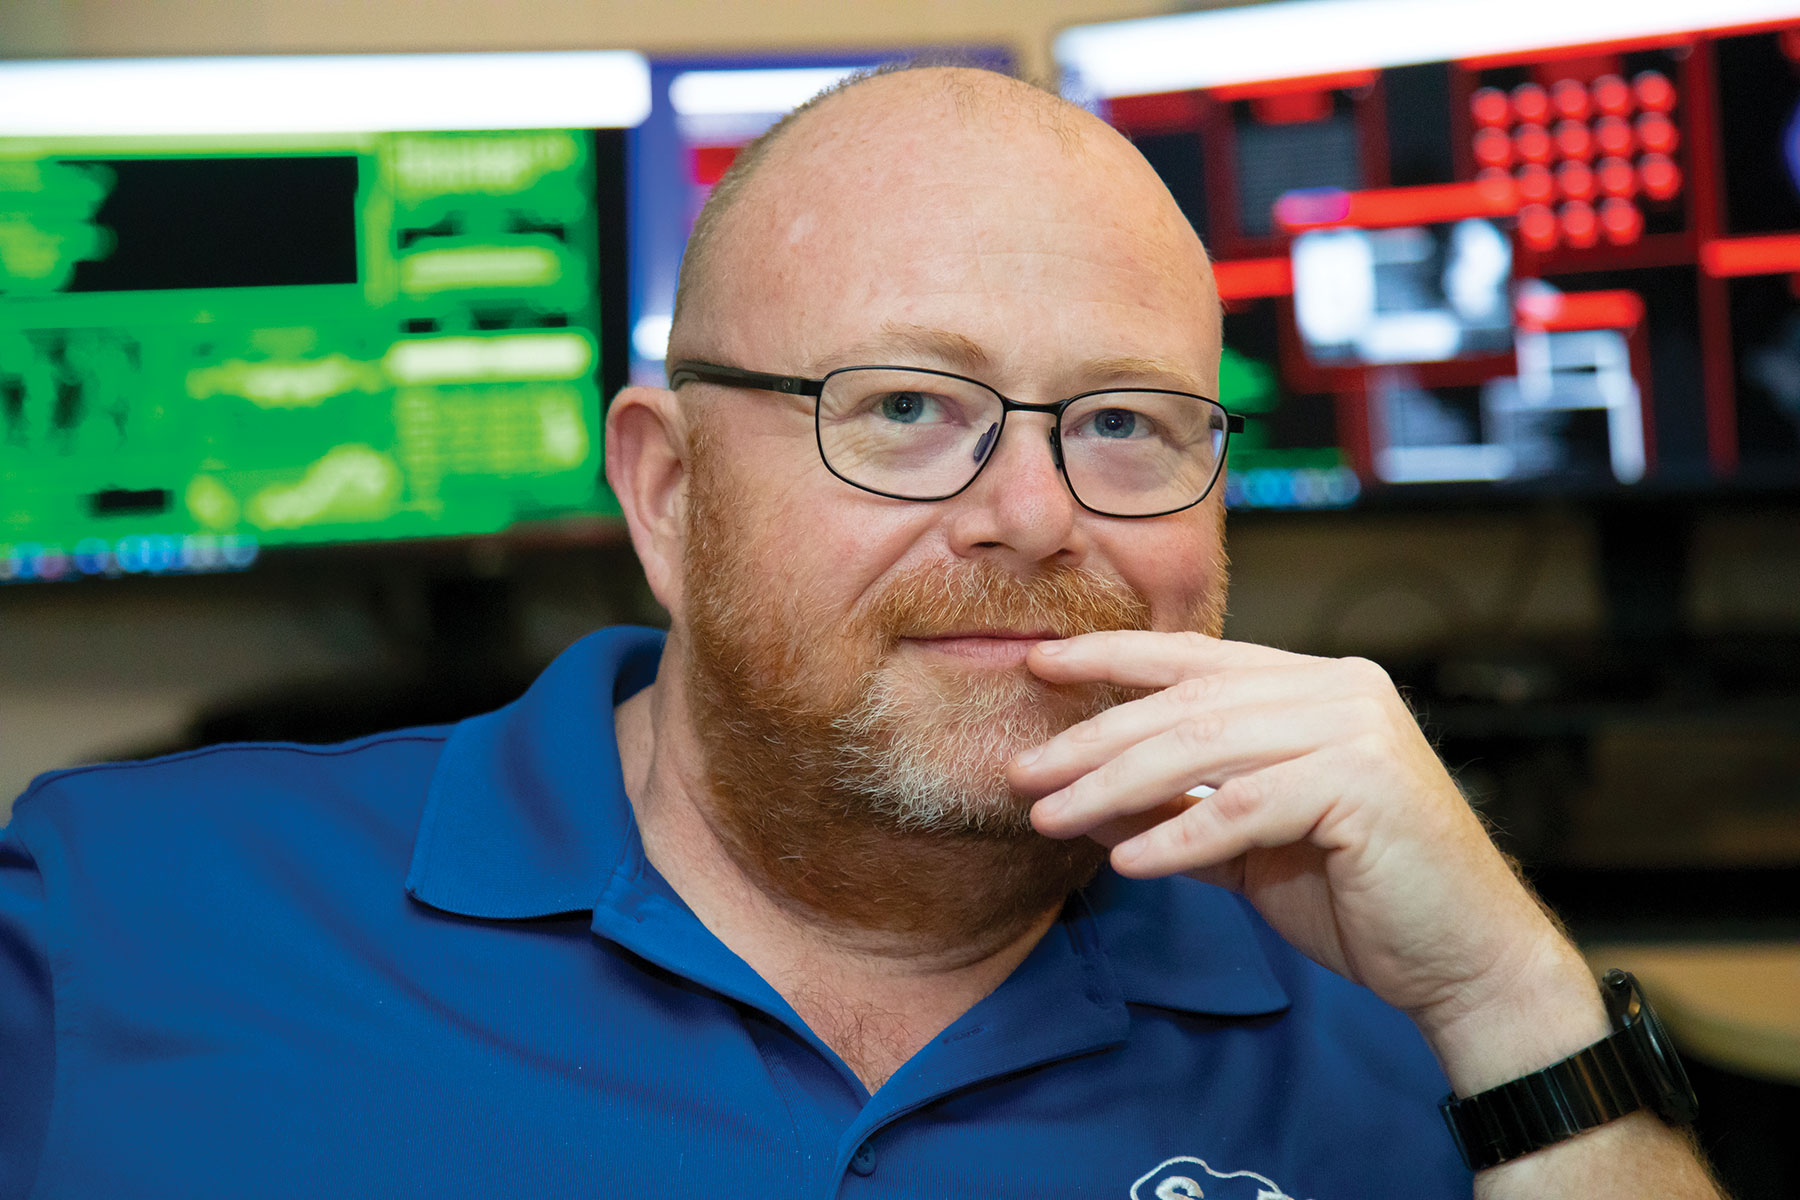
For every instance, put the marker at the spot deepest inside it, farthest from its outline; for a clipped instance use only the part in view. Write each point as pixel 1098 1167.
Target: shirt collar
pixel 526 816
pixel 1180 944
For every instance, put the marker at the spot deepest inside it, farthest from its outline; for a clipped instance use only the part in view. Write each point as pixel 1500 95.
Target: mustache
pixel 930 601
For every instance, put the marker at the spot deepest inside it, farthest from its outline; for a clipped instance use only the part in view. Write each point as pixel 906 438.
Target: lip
pixel 997 647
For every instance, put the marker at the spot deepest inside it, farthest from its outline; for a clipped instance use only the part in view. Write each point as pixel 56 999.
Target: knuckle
pixel 1186 834
pixel 1193 692
pixel 1366 675
pixel 1194 642
pixel 1198 731
pixel 1236 801
pixel 1187 837
pixel 1369 750
pixel 1367 713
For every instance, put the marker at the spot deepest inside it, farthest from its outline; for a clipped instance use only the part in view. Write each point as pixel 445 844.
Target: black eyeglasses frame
pixel 693 371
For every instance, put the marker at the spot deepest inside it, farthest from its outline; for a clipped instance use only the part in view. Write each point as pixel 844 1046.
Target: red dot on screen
pixel 1660 177
pixel 1536 184
pixel 1654 91
pixel 1657 133
pixel 1531 103
pixel 1621 221
pixel 1575 181
pixel 1493 148
pixel 1537 226
pixel 1497 182
pixel 1579 228
pixel 1573 139
pixel 1531 143
pixel 1497 190
pixel 1613 135
pixel 1490 107
pixel 1612 96
pixel 1616 177
pixel 1570 99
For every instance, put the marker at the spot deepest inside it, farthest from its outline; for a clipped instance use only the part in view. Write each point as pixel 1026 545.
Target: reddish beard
pixel 864 785
pixel 923 741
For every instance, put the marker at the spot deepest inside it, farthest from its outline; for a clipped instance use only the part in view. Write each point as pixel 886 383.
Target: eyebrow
pixel 942 347
pixel 921 342
pixel 1120 368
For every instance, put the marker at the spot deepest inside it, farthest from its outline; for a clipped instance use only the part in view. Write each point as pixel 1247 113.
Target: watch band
pixel 1632 1068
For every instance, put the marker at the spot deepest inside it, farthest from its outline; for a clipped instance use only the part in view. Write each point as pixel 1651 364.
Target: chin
pixel 923 799
pixel 929 755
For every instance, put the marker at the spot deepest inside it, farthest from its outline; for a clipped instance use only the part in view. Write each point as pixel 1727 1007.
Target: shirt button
pixel 863 1161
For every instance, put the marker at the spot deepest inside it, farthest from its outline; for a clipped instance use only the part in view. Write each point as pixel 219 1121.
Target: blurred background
pixel 303 360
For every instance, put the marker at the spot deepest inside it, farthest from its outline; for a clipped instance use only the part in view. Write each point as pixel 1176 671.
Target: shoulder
pixel 129 814
pixel 202 772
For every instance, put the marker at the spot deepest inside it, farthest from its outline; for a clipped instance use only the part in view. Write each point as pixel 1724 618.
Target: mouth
pixel 986 647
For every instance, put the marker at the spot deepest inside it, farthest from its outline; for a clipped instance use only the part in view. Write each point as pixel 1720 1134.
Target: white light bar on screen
pixel 347 93
pixel 750 92
pixel 1293 39
pixel 1445 464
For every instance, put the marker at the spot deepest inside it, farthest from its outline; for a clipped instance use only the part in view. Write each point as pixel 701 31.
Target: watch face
pixel 1672 1095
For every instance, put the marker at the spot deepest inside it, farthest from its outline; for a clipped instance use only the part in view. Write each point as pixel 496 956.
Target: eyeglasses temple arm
pixel 699 372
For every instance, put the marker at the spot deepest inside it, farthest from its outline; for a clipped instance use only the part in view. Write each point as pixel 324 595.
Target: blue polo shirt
pixel 436 963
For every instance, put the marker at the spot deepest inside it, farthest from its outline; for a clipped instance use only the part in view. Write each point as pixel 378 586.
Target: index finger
pixel 1142 658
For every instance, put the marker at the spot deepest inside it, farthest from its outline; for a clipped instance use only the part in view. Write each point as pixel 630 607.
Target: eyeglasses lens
pixel 920 435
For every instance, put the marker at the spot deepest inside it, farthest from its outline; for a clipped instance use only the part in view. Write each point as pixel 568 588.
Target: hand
pixel 1332 814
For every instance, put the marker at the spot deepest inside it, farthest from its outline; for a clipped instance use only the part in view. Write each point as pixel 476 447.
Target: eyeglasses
pixel 913 434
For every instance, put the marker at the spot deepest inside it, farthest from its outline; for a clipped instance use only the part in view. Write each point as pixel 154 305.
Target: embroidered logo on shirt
pixel 1186 1178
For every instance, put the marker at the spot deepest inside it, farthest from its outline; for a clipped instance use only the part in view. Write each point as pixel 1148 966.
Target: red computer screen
pixel 1569 270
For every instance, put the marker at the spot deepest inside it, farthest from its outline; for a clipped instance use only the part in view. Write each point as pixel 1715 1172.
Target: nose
pixel 1019 511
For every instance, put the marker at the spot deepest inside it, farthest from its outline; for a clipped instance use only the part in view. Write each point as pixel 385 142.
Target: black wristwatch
pixel 1634 1067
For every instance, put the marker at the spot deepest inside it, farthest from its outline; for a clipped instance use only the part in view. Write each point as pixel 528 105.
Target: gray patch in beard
pixel 936 764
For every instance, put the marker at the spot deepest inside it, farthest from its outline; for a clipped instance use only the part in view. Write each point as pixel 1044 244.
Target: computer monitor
pixel 255 304
pixel 702 111
pixel 1473 252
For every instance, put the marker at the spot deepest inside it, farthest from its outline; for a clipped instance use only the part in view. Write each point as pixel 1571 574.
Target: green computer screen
pixel 210 347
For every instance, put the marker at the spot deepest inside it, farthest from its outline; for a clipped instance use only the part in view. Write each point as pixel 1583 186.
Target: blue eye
pixel 1115 423
pixel 905 407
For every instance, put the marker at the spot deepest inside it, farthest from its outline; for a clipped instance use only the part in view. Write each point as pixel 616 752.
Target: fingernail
pixel 1051 647
pixel 1129 851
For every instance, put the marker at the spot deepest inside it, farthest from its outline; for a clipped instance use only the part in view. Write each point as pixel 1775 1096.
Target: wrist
pixel 1544 1012
pixel 1631 1073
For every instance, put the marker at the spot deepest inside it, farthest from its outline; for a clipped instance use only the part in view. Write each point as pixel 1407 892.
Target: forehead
pixel 1030 239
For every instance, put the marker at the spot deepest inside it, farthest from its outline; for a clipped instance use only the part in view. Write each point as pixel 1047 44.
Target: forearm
pixel 1634 1158
pixel 1552 1013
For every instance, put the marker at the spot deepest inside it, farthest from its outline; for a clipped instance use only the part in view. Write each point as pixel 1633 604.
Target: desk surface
pixel 1733 1004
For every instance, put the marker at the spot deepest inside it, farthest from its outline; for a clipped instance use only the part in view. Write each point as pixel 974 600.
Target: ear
pixel 647 467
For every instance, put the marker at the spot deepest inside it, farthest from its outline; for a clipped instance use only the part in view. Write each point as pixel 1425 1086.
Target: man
pixel 826 908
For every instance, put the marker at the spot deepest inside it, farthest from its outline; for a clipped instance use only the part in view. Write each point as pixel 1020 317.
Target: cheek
pixel 825 543
pixel 1180 569
pixel 851 542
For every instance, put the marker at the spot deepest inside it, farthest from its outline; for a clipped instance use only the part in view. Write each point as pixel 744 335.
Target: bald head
pixel 939 221
pixel 874 163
